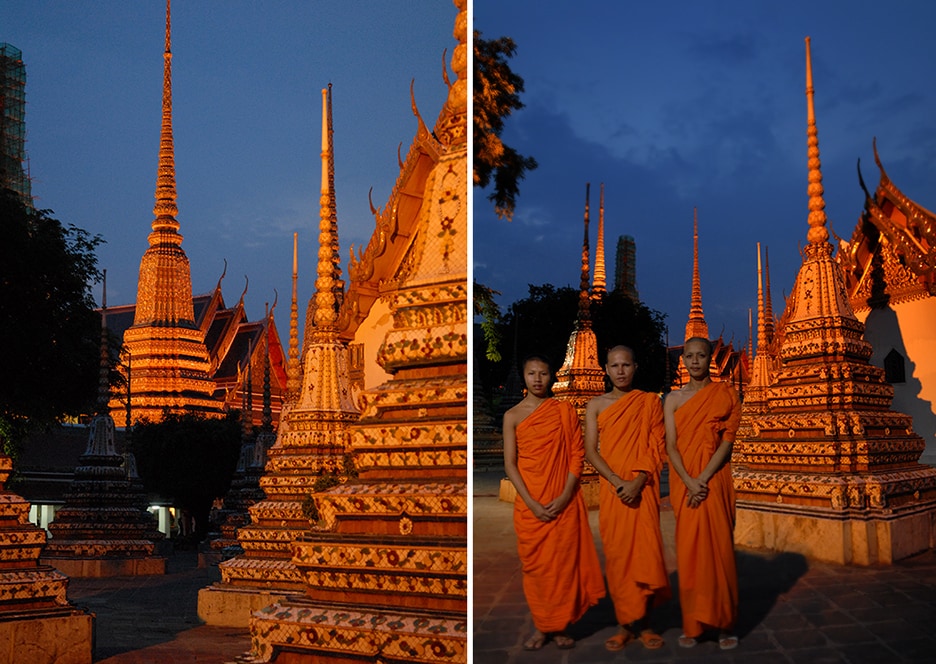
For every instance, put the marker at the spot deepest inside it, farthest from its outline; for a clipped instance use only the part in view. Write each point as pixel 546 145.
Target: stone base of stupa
pixel 874 538
pixel 51 636
pixel 225 606
pixel 107 567
pixel 295 631
pixel 588 485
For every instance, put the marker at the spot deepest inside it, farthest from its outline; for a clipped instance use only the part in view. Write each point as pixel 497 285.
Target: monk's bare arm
pixel 694 487
pixel 513 472
pixel 591 444
pixel 722 454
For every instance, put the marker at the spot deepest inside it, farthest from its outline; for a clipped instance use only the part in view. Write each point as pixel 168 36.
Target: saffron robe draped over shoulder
pixel 631 438
pixel 561 571
pixel 705 556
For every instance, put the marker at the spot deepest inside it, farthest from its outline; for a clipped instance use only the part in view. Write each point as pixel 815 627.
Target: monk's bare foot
pixel 563 641
pixel 727 641
pixel 535 642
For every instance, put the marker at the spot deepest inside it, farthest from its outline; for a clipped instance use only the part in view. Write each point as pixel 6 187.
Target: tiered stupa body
pixel 103 529
pixel 599 282
pixel 171 368
pixel 386 570
pixel 312 440
pixel 37 624
pixel 828 470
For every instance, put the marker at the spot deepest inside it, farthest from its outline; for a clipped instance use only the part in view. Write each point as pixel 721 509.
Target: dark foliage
pixel 188 460
pixel 542 323
pixel 48 325
pixel 496 95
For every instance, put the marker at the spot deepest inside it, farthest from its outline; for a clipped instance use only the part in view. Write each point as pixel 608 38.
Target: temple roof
pixel 891 256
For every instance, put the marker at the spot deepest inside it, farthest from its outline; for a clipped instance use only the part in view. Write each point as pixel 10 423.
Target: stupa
pixel 826 468
pixel 580 378
pixel 386 567
pixel 311 442
pixel 37 623
pixel 171 368
pixel 103 529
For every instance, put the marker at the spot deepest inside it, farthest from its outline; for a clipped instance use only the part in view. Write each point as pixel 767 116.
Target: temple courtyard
pixel 792 610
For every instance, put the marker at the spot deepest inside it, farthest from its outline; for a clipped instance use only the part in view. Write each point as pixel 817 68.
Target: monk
pixel 543 457
pixel 628 424
pixel 701 420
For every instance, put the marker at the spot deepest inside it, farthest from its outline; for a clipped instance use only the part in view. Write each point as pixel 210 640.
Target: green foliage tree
pixel 189 460
pixel 496 95
pixel 48 325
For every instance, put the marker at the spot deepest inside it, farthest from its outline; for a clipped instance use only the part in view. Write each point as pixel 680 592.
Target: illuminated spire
pixel 328 286
pixel 584 312
pixel 817 218
pixel 292 367
pixel 104 377
pixel 768 307
pixel 762 340
pixel 696 326
pixel 164 294
pixel 598 283
pixel 172 371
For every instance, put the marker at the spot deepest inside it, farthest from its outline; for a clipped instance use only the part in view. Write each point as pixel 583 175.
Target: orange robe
pixel 632 438
pixel 561 572
pixel 705 556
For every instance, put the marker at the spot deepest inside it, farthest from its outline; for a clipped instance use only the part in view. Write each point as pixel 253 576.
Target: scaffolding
pixel 13 175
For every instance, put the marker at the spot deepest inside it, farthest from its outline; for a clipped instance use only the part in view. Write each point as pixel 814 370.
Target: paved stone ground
pixel 154 619
pixel 792 610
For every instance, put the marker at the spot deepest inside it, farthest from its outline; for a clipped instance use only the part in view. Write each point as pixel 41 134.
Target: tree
pixel 49 329
pixel 189 460
pixel 496 95
pixel 542 322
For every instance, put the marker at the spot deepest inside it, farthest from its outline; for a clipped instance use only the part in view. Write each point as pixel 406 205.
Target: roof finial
pixel 584 313
pixel 817 218
pixel 599 282
pixel 696 326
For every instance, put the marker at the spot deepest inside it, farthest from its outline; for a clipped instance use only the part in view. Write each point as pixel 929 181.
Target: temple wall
pixel 909 328
pixel 372 331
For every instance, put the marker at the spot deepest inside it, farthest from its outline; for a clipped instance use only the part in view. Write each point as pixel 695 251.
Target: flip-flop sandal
pixel 727 641
pixel 651 640
pixel 535 642
pixel 687 641
pixel 619 640
pixel 563 641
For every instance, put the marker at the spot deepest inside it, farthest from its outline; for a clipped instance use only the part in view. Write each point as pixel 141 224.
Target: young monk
pixel 628 423
pixel 543 457
pixel 701 420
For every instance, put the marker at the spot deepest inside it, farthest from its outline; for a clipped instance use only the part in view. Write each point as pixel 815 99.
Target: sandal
pixel 727 641
pixel 535 642
pixel 687 641
pixel 651 640
pixel 619 640
pixel 563 641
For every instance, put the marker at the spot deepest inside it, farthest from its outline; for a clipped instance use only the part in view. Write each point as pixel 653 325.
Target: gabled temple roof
pixel 891 256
